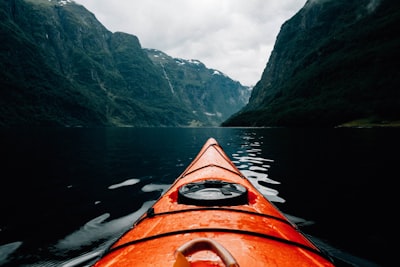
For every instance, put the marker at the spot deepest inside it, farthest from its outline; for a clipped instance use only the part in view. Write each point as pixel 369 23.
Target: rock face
pixel 61 67
pixel 333 62
pixel 210 94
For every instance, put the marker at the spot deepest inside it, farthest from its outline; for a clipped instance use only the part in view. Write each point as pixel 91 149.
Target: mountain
pixel 209 93
pixel 334 62
pixel 62 67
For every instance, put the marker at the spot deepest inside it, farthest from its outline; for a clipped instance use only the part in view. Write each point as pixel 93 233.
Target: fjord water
pixel 67 193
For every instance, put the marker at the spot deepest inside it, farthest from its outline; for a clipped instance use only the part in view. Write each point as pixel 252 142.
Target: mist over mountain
pixel 62 67
pixel 335 62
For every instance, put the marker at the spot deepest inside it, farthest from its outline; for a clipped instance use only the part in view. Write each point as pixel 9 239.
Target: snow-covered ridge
pixel 181 62
pixel 62 2
pixel 194 61
pixel 217 72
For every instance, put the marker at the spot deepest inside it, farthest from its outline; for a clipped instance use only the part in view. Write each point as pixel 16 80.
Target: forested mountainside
pixel 209 93
pixel 61 67
pixel 334 62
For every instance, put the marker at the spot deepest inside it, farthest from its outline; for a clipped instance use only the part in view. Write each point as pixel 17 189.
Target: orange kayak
pixel 213 216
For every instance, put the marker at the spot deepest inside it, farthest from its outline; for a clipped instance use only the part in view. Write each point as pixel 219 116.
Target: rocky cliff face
pixel 334 61
pixel 61 67
pixel 210 94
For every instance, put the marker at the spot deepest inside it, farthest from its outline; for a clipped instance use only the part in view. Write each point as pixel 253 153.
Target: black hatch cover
pixel 212 193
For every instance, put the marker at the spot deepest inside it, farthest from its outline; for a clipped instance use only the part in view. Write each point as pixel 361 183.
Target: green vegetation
pixel 332 63
pixel 61 67
pixel 335 63
pixel 212 95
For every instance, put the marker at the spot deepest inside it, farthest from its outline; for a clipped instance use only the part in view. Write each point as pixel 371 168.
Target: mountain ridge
pixel 62 67
pixel 207 92
pixel 333 62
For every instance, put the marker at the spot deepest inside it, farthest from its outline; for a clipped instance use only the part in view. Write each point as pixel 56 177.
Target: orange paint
pixel 254 233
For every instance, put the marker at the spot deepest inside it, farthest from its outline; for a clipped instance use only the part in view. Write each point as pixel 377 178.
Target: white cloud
pixel 235 37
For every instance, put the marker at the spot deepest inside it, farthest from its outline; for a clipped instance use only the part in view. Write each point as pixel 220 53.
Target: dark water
pixel 65 194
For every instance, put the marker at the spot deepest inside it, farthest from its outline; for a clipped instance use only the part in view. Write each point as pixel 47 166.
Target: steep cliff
pixel 62 67
pixel 209 93
pixel 333 62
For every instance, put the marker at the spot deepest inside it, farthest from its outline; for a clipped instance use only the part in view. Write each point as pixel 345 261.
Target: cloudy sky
pixel 235 37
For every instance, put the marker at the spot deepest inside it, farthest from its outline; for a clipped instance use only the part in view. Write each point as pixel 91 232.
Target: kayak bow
pixel 213 216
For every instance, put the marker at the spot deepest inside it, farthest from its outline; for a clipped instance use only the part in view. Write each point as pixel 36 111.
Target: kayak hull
pixel 192 224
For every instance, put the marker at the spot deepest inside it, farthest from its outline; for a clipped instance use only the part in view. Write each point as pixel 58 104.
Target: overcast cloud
pixel 235 37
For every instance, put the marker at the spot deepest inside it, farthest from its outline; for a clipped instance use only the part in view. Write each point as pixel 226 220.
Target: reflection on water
pixel 124 183
pixel 95 231
pixel 99 229
pixel 8 249
pixel 102 180
pixel 250 162
pixel 99 233
pixel 155 187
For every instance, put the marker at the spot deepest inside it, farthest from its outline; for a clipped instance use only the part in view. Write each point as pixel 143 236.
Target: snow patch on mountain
pixel 62 2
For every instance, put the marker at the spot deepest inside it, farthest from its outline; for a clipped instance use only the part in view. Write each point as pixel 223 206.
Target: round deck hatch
pixel 212 193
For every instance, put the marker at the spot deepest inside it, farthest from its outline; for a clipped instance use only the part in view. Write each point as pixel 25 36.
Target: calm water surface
pixel 66 194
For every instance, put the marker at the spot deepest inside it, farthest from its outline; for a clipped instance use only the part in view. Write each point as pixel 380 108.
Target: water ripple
pixel 255 168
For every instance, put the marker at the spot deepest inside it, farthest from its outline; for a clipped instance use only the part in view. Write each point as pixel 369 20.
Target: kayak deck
pixel 213 216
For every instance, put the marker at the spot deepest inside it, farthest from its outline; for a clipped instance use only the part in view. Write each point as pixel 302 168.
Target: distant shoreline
pixel 371 123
